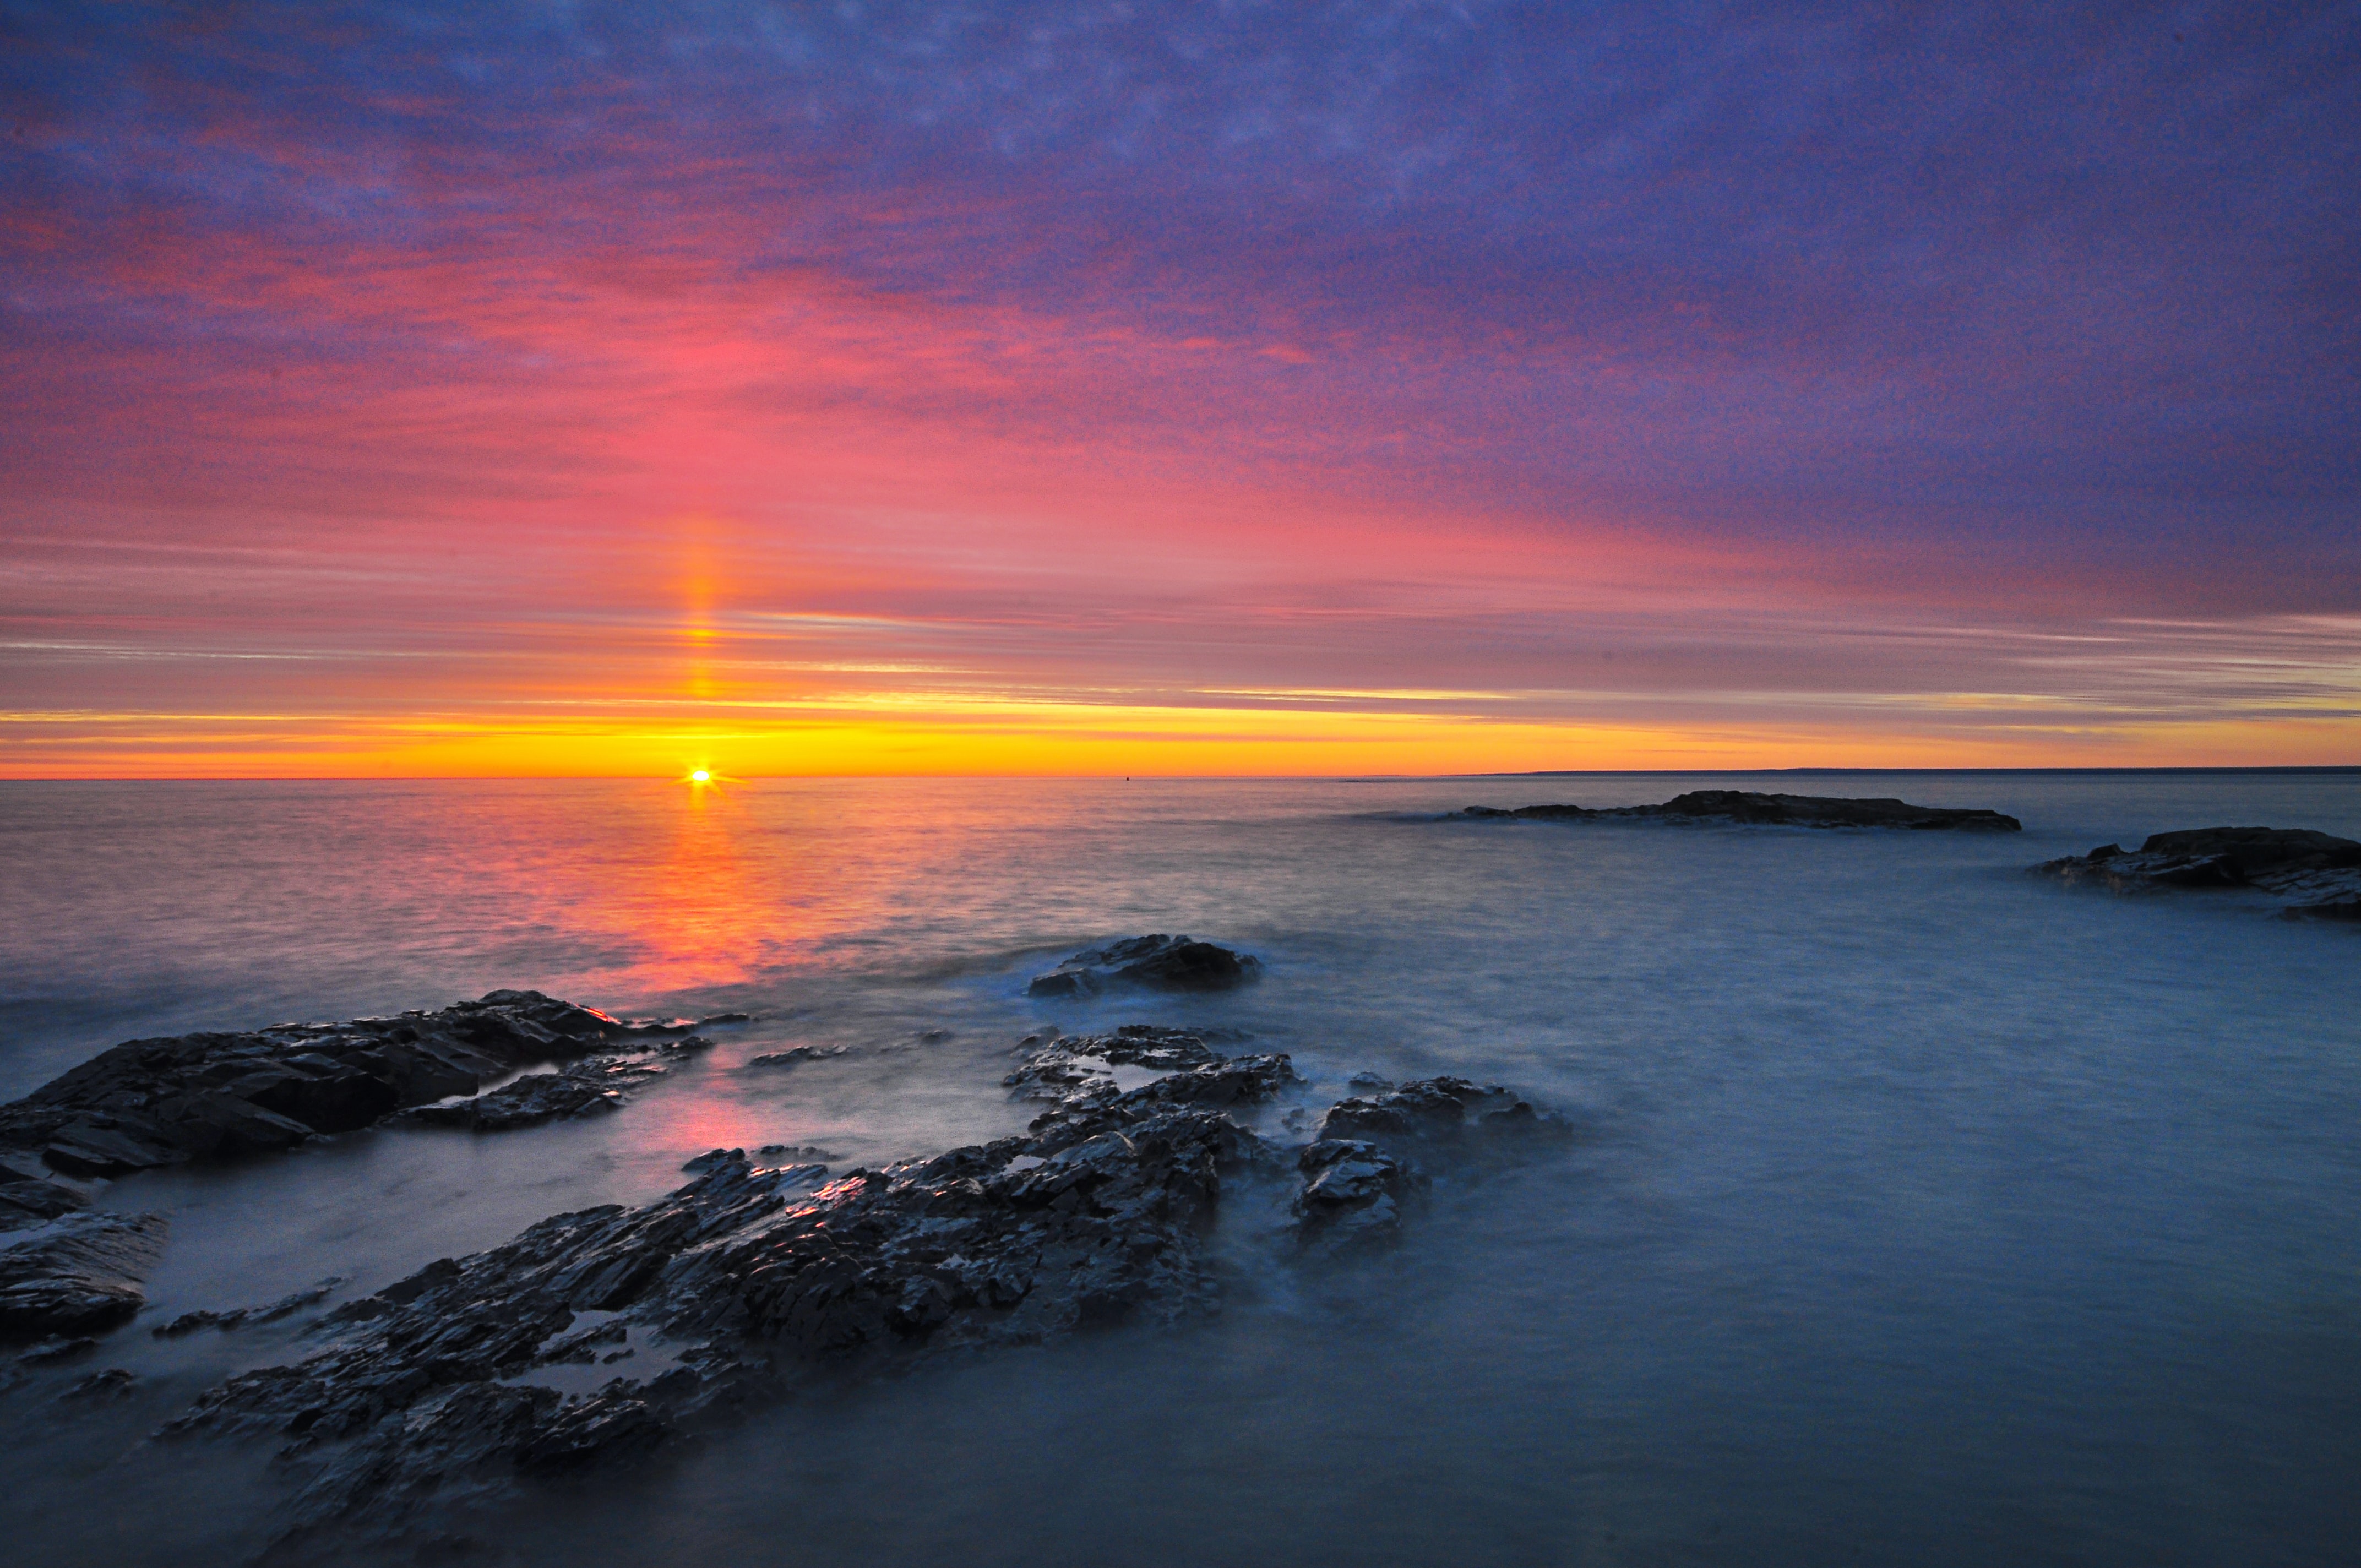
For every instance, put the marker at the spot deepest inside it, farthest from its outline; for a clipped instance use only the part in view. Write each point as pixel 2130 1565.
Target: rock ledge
pixel 2311 874
pixel 754 1279
pixel 1156 963
pixel 192 1097
pixel 1788 810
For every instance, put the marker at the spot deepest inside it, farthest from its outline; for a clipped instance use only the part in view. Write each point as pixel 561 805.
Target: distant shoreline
pixel 1708 773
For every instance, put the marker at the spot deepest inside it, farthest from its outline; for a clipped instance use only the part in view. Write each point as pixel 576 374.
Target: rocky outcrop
pixel 80 1273
pixel 796 1055
pixel 579 1089
pixel 1352 1195
pixel 2310 874
pixel 754 1278
pixel 1156 963
pixel 753 1281
pixel 1057 1065
pixel 1783 810
pixel 24 1204
pixel 164 1102
pixel 287 1306
pixel 1370 1153
pixel 32 1194
pixel 1440 1112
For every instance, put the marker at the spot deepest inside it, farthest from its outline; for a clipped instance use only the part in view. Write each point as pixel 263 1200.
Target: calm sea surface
pixel 1925 1213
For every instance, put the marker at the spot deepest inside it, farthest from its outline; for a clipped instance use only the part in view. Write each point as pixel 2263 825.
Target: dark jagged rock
pixel 1069 1062
pixel 748 1281
pixel 163 1102
pixel 752 1281
pixel 2311 873
pixel 1219 1085
pixel 759 1283
pixel 82 1273
pixel 1352 1195
pixel 114 1383
pixel 713 1159
pixel 58 1351
pixel 1448 1111
pixel 24 1204
pixel 1787 810
pixel 796 1055
pixel 578 1089
pixel 1157 963
pixel 287 1306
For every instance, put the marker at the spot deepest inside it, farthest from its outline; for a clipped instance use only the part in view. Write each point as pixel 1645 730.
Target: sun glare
pixel 700 775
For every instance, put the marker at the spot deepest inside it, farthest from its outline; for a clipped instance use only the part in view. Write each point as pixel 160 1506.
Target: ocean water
pixel 1923 1212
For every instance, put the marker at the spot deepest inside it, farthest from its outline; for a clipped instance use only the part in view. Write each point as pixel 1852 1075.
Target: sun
pixel 700 775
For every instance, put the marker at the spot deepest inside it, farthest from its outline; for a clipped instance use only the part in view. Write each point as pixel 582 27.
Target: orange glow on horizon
pixel 1084 741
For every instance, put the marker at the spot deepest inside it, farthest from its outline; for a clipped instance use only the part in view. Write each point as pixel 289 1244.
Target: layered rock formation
pixel 80 1273
pixel 1787 810
pixel 2310 874
pixel 578 1089
pixel 32 1194
pixel 164 1102
pixel 753 1279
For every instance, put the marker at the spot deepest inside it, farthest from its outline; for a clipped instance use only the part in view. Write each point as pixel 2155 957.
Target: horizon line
pixel 2295 768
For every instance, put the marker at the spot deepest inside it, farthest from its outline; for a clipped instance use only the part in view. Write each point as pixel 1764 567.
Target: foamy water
pixel 1928 1214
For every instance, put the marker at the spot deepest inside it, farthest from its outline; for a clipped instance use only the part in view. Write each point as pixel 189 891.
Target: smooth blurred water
pixel 1928 1213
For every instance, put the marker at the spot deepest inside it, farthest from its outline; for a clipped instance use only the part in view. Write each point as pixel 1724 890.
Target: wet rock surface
pixel 578 1089
pixel 1156 962
pixel 756 1279
pixel 80 1273
pixel 192 1097
pixel 1352 1193
pixel 2311 873
pixel 58 1351
pixel 32 1194
pixel 114 1383
pixel 1442 1113
pixel 796 1055
pixel 1056 1065
pixel 1753 808
pixel 287 1306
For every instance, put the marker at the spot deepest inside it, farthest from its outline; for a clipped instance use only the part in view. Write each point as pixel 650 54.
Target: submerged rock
pixel 82 1273
pixel 796 1055
pixel 58 1351
pixel 114 1383
pixel 1157 963
pixel 2311 873
pixel 163 1102
pixel 287 1306
pixel 1788 810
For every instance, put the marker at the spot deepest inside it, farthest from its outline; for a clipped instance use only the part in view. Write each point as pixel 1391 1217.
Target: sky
pixel 1207 388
